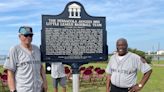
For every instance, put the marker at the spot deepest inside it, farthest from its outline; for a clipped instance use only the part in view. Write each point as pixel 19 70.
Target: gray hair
pixel 122 39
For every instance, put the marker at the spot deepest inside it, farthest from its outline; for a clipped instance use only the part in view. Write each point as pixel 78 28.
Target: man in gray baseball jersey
pixel 25 71
pixel 122 70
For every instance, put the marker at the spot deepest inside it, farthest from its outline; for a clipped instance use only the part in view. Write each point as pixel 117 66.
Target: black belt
pixel 118 89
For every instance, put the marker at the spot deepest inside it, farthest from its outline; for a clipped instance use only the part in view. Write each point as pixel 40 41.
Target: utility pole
pixel 158 52
pixel 153 53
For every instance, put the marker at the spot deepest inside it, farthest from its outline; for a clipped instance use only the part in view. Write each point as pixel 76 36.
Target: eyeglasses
pixel 28 35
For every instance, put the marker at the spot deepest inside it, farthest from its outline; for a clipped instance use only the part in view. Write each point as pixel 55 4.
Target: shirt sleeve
pixel 108 68
pixel 143 66
pixel 11 60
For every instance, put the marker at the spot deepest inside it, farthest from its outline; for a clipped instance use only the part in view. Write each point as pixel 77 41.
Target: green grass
pixel 155 83
pixel 158 62
pixel 1 69
pixel 88 88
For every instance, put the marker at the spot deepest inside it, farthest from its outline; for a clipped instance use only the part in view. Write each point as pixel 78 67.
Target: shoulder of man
pixel 112 56
pixel 14 48
pixel 34 46
pixel 134 55
pixel 143 59
pixel 139 57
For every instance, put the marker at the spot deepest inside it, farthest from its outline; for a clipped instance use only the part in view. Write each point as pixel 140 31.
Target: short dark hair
pixel 122 39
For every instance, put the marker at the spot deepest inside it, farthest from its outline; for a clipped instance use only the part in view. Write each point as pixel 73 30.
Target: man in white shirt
pixel 122 70
pixel 58 75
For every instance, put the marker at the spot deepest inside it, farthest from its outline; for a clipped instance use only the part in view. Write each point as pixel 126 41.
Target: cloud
pixel 11 5
pixel 17 18
pixel 25 23
pixel 7 6
pixel 7 18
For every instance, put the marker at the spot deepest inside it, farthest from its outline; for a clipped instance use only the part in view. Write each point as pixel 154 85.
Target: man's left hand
pixel 45 86
pixel 135 88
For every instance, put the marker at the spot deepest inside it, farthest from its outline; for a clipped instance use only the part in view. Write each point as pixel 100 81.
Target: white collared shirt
pixel 57 70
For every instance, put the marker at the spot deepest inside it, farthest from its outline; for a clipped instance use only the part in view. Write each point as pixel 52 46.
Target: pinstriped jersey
pixel 26 67
pixel 124 72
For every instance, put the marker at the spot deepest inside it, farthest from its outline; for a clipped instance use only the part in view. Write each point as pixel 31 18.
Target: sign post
pixel 73 38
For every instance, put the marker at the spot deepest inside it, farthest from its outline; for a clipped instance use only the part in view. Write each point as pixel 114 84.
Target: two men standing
pixel 26 73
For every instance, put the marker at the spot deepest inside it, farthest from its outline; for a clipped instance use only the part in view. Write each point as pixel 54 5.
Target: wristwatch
pixel 13 91
pixel 140 85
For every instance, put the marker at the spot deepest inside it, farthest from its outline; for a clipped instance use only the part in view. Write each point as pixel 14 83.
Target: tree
pixel 142 54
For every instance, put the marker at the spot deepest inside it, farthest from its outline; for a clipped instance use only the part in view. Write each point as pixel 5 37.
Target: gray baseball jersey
pixel 124 72
pixel 26 66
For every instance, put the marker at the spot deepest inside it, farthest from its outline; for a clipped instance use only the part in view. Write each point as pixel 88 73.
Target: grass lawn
pixel 155 83
pixel 158 62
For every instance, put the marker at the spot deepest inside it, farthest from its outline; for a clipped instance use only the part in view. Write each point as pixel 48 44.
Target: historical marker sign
pixel 73 36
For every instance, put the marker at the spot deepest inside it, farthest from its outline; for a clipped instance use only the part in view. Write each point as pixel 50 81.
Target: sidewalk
pixel 158 65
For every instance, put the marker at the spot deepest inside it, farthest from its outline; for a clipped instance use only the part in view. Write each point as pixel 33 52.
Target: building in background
pixel 160 52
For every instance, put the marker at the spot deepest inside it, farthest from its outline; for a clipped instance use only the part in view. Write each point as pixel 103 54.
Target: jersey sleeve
pixel 142 65
pixel 108 68
pixel 11 60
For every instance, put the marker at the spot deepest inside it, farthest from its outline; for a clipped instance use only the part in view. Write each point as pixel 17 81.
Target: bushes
pixel 142 54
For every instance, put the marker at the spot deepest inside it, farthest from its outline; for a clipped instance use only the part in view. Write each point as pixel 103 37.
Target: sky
pixel 141 22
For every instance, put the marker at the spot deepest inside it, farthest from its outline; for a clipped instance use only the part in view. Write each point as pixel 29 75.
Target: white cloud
pixel 18 24
pixel 7 18
pixel 19 17
pixel 11 5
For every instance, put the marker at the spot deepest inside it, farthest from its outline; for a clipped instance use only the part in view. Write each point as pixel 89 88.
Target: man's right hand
pixel 108 90
pixel 11 80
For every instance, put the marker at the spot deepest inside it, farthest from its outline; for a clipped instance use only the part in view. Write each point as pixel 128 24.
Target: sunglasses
pixel 28 35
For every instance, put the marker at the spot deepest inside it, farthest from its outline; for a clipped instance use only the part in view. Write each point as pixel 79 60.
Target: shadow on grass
pixel 90 89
